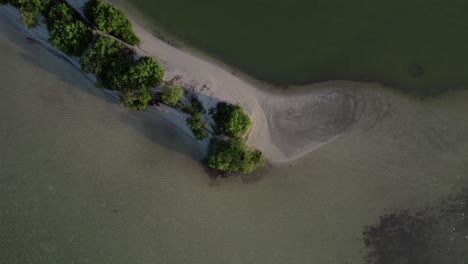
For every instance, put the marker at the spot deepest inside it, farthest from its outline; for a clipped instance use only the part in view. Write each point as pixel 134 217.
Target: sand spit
pixel 286 124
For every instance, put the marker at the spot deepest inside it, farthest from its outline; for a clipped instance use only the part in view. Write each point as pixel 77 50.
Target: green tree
pixel 234 155
pixel 116 69
pixel 110 20
pixel 146 71
pixel 136 100
pixel 66 32
pixel 231 120
pixel 171 94
pixel 110 61
pixel 196 124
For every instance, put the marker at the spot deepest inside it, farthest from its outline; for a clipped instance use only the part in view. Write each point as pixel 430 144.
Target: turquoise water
pixel 83 180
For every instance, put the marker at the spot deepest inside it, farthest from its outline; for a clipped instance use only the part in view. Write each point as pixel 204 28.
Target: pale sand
pixel 286 124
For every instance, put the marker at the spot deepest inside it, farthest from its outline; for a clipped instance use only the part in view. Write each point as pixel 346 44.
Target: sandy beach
pixel 287 124
pixel 85 180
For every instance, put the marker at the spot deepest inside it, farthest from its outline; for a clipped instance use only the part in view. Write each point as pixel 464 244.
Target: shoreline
pixel 272 131
pixel 39 35
pixel 287 125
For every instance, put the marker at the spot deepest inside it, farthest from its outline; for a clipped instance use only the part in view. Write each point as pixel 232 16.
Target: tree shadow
pixel 162 125
pixel 151 124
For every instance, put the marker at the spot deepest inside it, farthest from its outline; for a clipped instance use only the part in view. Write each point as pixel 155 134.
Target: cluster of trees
pixel 232 154
pixel 67 32
pixel 116 69
pixel 111 21
pixel 113 64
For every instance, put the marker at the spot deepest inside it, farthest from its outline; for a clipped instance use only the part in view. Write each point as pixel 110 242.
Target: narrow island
pixel 101 36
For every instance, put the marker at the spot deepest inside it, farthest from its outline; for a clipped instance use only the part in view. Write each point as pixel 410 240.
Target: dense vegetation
pixel 110 20
pixel 109 60
pixel 171 94
pixel 231 120
pixel 116 69
pixel 234 155
pixel 67 32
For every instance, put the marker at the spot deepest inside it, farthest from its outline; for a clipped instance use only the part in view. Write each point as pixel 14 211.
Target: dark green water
pixel 417 45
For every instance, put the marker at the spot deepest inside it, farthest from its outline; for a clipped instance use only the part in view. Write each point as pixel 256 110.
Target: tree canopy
pixel 234 155
pixel 171 94
pixel 231 120
pixel 66 32
pixel 116 69
pixel 110 20
pixel 109 60
pixel 145 71
pixel 135 99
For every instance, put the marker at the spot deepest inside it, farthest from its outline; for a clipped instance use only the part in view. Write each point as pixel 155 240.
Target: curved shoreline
pixel 286 125
pixel 318 113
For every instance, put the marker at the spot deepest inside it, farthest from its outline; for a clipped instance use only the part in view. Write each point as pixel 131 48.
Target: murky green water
pixel 83 180
pixel 416 45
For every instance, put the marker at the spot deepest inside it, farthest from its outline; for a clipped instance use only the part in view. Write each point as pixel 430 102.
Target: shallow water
pixel 83 180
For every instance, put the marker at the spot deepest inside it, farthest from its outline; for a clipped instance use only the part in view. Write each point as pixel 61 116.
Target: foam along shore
pixel 286 125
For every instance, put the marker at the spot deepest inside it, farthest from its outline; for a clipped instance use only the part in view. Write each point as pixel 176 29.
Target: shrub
pixel 196 124
pixel 231 120
pixel 197 106
pixel 29 9
pixel 110 20
pixel 135 100
pixel 171 94
pixel 234 155
pixel 145 72
pixel 187 108
pixel 66 32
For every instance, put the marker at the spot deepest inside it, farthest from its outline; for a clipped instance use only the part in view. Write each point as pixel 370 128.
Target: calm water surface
pixel 303 41
pixel 83 180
